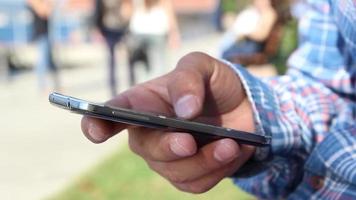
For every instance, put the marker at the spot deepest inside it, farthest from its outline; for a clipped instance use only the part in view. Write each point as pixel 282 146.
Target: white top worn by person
pixel 254 22
pixel 150 21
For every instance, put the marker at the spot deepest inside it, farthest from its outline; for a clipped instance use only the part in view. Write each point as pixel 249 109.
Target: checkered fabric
pixel 310 113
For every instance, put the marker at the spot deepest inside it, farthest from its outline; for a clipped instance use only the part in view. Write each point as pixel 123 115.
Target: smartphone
pixel 203 133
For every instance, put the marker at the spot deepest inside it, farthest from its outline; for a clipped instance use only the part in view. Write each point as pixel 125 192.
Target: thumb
pixel 186 87
pixel 201 81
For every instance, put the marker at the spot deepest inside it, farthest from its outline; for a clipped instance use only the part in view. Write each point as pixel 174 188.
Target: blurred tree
pixel 234 5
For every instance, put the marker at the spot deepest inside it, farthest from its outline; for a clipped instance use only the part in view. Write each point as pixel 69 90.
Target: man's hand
pixel 200 88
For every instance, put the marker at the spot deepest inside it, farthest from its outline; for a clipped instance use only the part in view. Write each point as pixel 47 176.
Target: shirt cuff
pixel 264 104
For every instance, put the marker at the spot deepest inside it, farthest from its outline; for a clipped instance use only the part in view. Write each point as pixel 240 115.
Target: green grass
pixel 126 176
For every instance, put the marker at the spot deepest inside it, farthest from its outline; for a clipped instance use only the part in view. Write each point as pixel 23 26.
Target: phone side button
pixel 129 116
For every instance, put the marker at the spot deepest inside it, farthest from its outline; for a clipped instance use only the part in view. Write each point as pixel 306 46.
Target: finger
pixel 161 146
pixel 202 80
pixel 99 130
pixel 187 89
pixel 137 98
pixel 148 97
pixel 205 183
pixel 208 181
pixel 211 157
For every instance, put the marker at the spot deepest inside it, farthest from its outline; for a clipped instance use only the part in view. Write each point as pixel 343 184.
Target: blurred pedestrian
pixel 112 18
pixel 41 10
pixel 250 30
pixel 218 16
pixel 153 26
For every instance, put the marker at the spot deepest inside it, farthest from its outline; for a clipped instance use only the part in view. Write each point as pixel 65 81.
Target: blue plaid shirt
pixel 309 112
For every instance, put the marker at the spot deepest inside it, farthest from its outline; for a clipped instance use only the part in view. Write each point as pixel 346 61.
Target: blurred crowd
pixel 252 31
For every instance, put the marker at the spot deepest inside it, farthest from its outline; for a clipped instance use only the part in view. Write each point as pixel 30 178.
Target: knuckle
pixel 153 166
pixel 182 187
pixel 194 54
pixel 174 176
pixel 181 74
pixel 152 147
pixel 162 146
pixel 192 57
pixel 198 189
pixel 134 147
pixel 192 188
pixel 171 173
pixel 203 164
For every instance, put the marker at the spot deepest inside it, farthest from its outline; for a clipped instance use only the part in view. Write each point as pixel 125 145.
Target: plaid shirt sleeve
pixel 296 112
pixel 310 116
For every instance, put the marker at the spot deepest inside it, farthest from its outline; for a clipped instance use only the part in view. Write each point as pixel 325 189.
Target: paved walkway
pixel 41 147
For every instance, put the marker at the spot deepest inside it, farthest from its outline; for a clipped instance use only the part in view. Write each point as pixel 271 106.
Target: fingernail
pixel 225 151
pixel 180 147
pixel 186 106
pixel 95 133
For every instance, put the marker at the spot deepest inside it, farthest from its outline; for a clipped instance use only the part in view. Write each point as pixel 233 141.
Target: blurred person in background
pixel 153 26
pixel 218 16
pixel 112 18
pixel 41 10
pixel 309 113
pixel 250 30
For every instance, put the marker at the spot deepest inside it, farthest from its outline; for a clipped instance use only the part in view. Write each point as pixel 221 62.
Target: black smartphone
pixel 203 133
